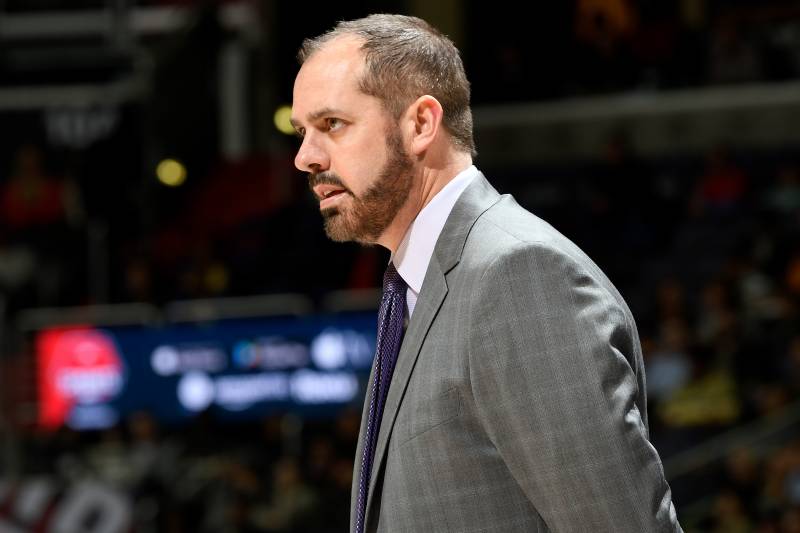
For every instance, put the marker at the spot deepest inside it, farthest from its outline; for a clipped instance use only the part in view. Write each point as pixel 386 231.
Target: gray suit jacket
pixel 518 399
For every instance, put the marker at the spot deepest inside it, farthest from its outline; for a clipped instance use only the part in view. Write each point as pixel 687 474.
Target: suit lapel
pixel 475 199
pixel 424 313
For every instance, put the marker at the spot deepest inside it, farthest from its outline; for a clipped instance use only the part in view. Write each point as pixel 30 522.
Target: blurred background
pixel 184 351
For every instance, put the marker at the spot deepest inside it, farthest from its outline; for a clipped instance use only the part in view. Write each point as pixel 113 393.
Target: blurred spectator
pixel 655 46
pixel 109 460
pixel 715 311
pixel 708 401
pixel 17 267
pixel 602 22
pixel 722 186
pixel 36 211
pixel 755 290
pixel 782 485
pixel 669 366
pixel 604 28
pixel 729 515
pixel 152 457
pixel 671 301
pixel 743 477
pixel 783 197
pixel 32 201
pixel 734 57
pixel 292 500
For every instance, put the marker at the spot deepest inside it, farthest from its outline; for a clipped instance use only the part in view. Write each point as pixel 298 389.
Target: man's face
pixel 353 152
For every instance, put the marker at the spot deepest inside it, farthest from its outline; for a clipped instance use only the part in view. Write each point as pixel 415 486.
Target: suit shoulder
pixel 507 232
pixel 507 228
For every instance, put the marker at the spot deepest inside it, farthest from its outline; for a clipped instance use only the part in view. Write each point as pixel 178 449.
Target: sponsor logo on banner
pixel 79 370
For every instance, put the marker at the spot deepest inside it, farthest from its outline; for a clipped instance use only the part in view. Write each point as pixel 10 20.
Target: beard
pixel 368 215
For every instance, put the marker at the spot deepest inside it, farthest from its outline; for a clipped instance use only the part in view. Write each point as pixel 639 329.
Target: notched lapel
pixel 434 290
pixel 475 200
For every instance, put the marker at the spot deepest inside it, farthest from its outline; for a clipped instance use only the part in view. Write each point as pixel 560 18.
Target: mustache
pixel 325 178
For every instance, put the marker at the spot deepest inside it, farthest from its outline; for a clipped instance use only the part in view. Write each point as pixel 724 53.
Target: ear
pixel 425 117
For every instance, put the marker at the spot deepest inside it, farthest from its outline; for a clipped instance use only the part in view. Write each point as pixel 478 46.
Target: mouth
pixel 327 194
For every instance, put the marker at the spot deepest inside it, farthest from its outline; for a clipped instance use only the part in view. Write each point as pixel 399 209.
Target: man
pixel 517 400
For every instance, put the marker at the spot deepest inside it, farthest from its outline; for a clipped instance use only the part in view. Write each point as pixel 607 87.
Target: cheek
pixel 358 176
pixel 358 163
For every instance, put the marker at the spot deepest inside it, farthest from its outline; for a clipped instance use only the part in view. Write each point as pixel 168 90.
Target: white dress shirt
pixel 416 249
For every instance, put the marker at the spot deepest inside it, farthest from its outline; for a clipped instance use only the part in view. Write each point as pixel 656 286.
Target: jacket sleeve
pixel 555 372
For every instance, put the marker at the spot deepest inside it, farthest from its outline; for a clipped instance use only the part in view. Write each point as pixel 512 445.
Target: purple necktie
pixel 390 335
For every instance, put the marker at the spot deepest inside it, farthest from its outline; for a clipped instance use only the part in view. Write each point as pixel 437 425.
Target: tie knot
pixel 392 281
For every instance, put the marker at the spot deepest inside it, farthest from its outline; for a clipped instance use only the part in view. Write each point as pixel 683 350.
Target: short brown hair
pixel 406 58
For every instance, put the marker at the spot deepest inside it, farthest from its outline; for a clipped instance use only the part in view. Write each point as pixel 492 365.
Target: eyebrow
pixel 316 115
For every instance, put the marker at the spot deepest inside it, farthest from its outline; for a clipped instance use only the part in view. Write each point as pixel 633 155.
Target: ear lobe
pixel 427 119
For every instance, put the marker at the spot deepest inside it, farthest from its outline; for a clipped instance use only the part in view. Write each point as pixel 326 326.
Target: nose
pixel 311 157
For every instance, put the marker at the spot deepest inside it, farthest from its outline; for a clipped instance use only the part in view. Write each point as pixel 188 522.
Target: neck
pixel 427 184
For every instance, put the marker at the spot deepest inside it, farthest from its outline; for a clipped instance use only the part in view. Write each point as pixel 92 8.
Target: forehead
pixel 329 79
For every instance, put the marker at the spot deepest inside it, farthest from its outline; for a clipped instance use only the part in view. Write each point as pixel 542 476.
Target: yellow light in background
pixel 282 116
pixel 171 172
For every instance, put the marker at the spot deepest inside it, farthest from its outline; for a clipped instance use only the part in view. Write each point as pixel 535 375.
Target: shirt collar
pixel 416 249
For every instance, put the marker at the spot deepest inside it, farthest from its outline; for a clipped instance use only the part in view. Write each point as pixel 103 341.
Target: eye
pixel 333 124
pixel 300 132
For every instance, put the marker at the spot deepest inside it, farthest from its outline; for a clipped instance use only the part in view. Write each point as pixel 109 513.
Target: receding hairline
pixel 323 44
pixel 387 43
pixel 357 43
pixel 357 78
